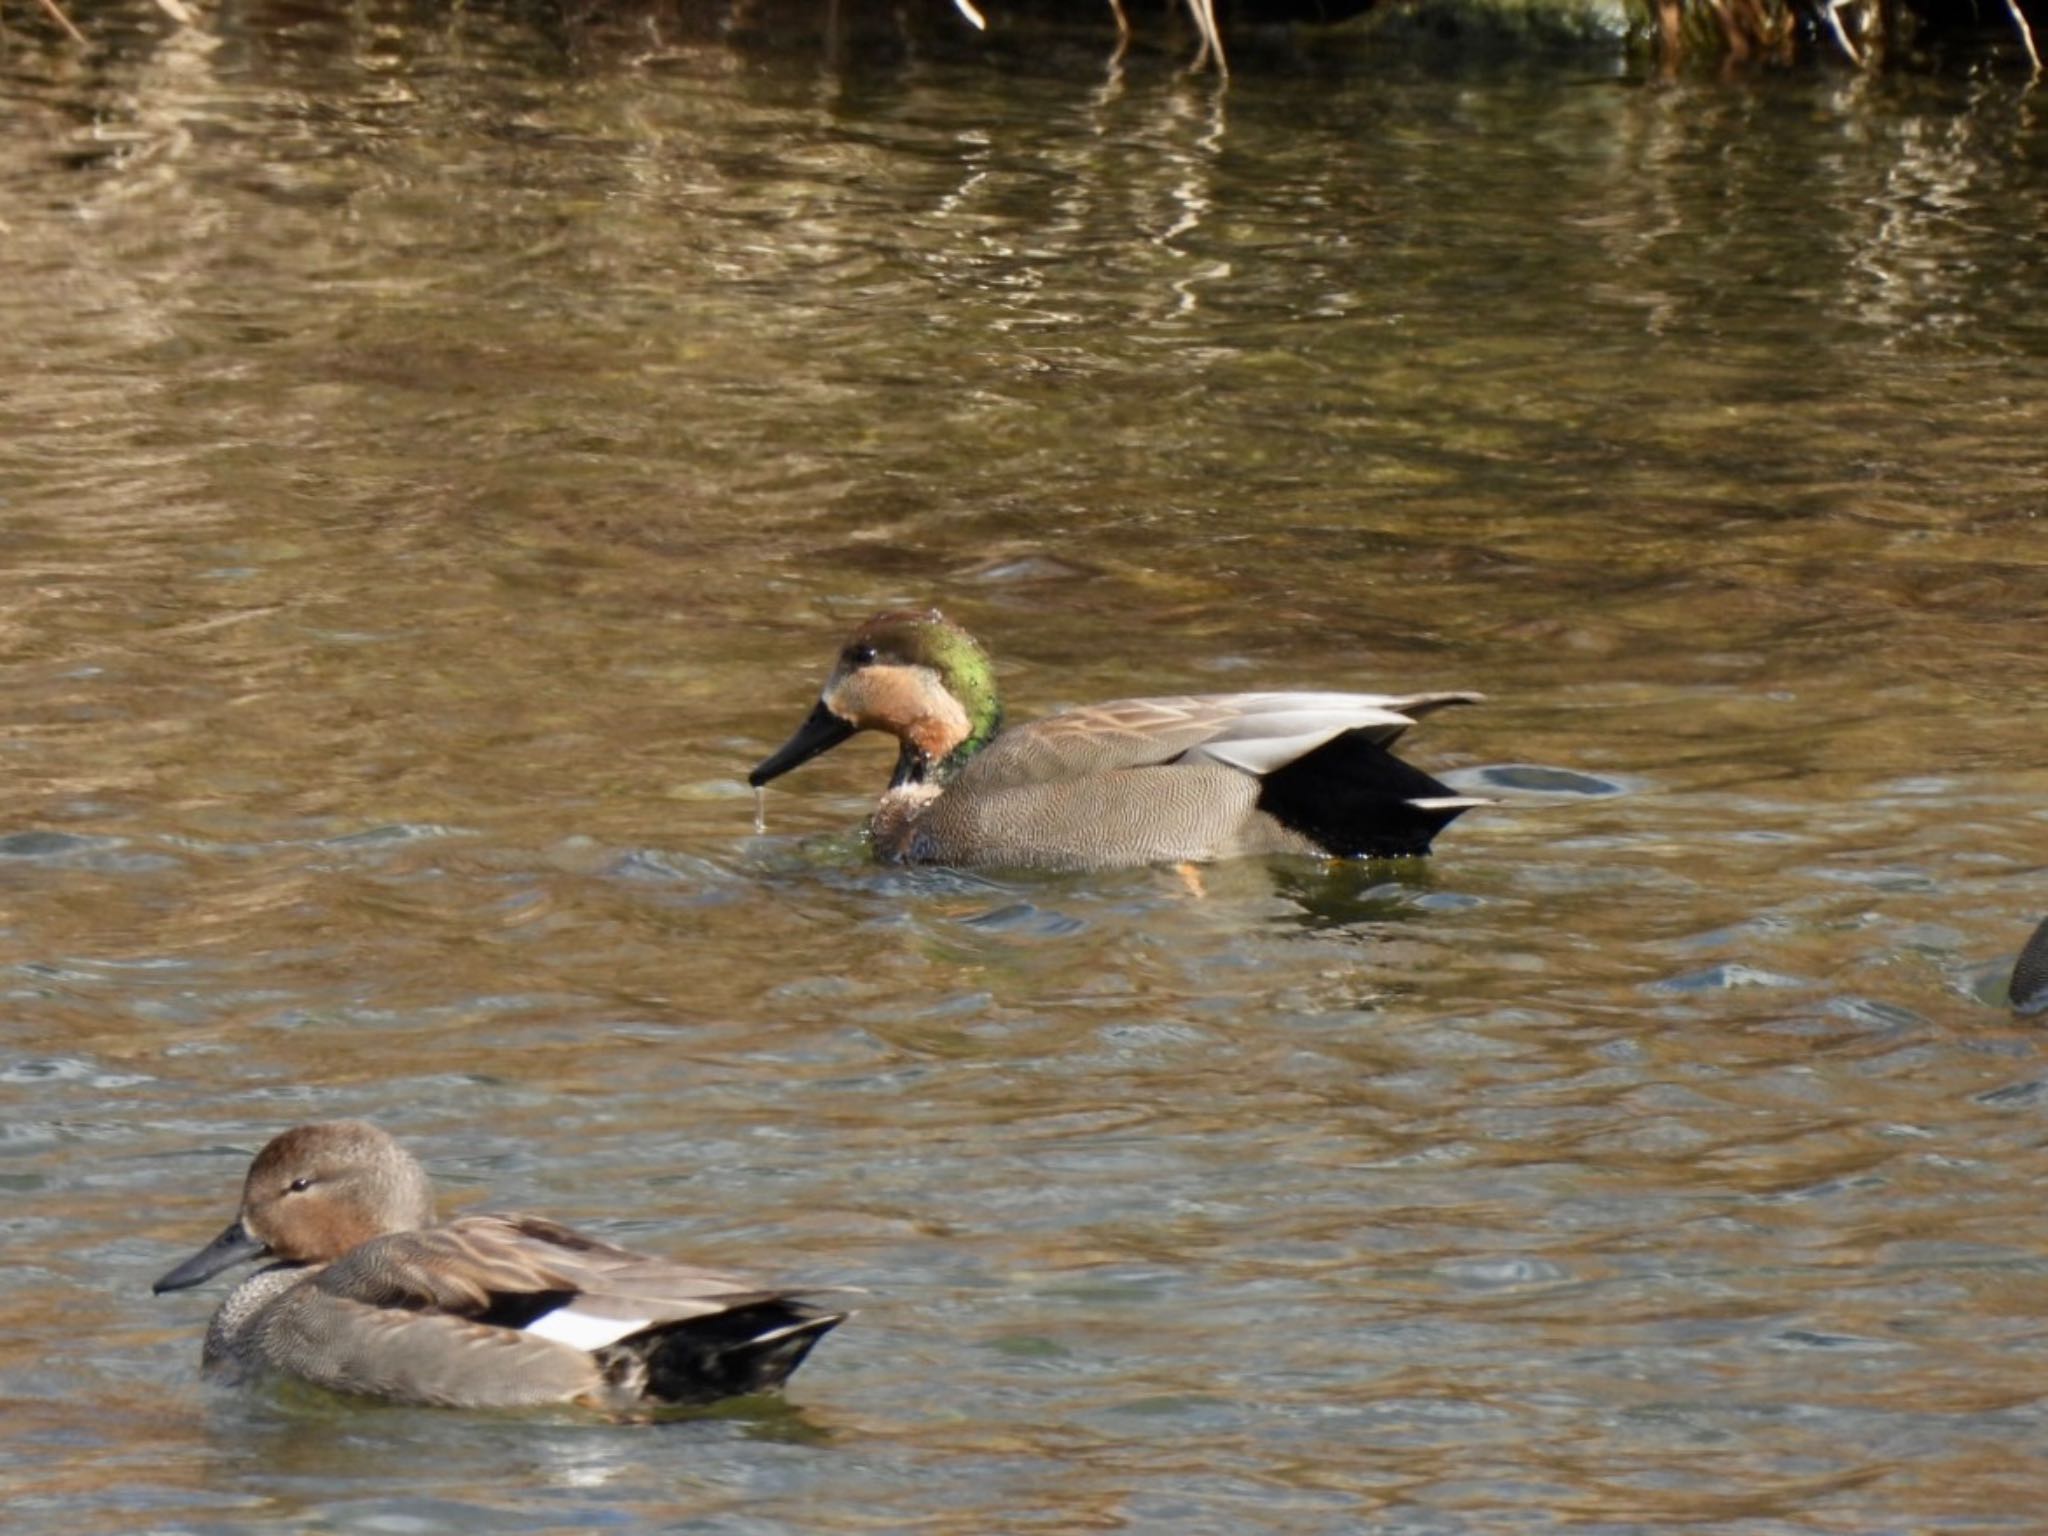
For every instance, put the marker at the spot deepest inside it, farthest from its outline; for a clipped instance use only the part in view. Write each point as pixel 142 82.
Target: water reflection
pixel 430 457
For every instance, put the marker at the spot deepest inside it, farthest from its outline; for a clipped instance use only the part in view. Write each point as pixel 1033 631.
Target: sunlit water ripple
pixel 433 472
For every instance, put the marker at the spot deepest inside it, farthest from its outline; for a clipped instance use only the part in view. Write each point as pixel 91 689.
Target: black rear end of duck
pixel 1355 800
pixel 728 1354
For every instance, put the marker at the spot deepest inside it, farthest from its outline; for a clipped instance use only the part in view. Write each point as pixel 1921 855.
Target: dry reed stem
pixel 2019 19
pixel 1204 12
pixel 56 14
pixel 1671 23
pixel 1834 9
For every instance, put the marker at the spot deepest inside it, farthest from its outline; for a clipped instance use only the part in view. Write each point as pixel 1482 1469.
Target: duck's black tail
pixel 1355 799
pixel 728 1354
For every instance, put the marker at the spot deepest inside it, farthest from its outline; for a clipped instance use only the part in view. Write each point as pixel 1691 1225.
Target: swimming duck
pixel 365 1294
pixel 1135 781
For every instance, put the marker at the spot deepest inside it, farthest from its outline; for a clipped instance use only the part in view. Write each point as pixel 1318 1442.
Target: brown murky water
pixel 432 472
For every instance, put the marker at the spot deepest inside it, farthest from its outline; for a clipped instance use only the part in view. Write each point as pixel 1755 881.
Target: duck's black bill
pixel 232 1247
pixel 821 732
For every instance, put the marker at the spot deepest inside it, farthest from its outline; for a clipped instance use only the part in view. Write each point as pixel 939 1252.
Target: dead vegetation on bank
pixel 1864 33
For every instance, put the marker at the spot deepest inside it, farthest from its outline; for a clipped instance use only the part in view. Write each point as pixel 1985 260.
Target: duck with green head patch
pixel 1134 781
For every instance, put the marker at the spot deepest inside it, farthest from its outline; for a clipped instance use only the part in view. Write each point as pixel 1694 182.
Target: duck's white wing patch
pixel 1253 704
pixel 802 1325
pixel 1276 729
pixel 583 1330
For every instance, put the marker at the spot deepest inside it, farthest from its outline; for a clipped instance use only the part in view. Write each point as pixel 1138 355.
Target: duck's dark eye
pixel 298 1186
pixel 859 655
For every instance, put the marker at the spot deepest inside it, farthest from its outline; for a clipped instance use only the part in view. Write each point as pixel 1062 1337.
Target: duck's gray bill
pixel 232 1247
pixel 821 732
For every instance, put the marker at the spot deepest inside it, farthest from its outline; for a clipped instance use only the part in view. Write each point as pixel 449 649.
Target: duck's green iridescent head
pixel 918 676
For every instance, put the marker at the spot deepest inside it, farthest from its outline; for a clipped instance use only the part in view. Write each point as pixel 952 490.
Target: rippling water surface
pixel 435 463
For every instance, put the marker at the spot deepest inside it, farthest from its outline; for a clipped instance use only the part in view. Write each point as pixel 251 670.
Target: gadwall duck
pixel 366 1295
pixel 1135 781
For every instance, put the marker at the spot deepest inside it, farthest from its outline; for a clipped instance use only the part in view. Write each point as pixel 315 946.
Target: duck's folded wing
pixel 1255 733
pixel 535 1276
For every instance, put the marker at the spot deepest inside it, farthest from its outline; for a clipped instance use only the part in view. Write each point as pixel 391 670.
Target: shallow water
pixel 434 467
